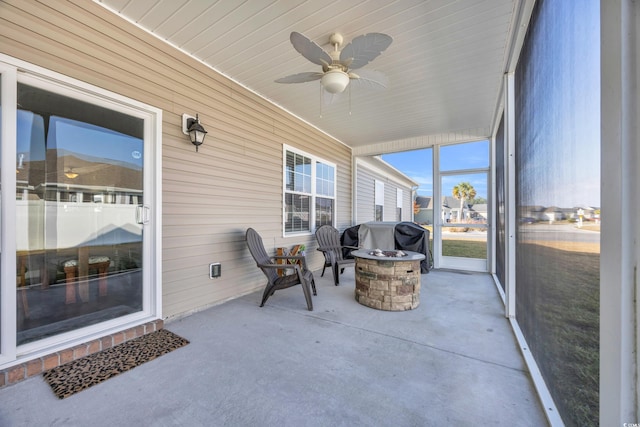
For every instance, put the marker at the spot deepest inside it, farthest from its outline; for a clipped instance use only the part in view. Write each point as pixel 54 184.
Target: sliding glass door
pixel 79 227
pixel 79 213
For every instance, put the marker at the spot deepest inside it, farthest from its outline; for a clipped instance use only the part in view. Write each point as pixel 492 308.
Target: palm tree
pixel 463 191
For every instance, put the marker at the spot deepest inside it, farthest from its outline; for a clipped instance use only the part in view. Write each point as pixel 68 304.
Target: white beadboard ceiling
pixel 445 65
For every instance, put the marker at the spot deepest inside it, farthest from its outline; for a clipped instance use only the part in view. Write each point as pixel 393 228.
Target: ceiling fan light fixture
pixel 335 81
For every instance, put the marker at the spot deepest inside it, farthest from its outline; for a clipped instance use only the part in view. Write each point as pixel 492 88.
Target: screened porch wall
pixel 557 142
pixel 210 197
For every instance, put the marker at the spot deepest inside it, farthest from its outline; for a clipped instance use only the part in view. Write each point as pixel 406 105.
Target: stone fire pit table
pixel 388 282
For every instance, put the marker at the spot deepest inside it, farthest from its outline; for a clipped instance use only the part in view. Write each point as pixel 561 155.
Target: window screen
pixel 557 97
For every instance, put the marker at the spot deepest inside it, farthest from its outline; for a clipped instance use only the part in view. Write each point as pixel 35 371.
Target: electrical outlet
pixel 215 270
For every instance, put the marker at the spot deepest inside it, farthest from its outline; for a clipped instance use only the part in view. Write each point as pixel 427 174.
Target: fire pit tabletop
pixel 409 255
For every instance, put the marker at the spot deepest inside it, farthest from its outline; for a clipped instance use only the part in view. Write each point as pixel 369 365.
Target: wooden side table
pixel 284 252
pixel 100 263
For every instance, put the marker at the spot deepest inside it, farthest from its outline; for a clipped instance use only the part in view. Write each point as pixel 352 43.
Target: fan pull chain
pixel 321 99
pixel 349 99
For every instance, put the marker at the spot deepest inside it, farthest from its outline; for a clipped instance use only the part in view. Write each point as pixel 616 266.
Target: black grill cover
pixel 349 238
pixel 412 237
pixel 408 236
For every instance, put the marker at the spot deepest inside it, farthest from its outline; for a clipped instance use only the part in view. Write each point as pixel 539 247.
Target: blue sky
pixel 418 165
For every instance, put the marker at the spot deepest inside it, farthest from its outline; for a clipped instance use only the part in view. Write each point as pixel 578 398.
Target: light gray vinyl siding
pixel 366 195
pixel 389 201
pixel 210 197
pixel 407 205
pixel 365 184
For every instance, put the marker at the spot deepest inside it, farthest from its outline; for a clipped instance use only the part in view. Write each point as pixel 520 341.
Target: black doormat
pixel 83 373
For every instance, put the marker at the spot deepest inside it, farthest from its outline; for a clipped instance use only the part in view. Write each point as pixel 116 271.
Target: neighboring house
pixel 382 192
pixel 450 210
pixel 478 212
pixel 535 213
pixel 587 212
pixel 470 212
pixel 555 213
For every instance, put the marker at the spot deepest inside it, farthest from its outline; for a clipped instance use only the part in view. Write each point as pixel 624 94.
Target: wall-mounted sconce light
pixel 69 173
pixel 191 126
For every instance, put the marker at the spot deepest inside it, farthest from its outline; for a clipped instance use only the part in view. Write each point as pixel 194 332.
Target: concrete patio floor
pixel 453 361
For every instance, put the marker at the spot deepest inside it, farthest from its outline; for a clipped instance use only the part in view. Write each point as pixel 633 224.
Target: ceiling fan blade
pixel 309 49
pixel 300 78
pixel 364 49
pixel 369 78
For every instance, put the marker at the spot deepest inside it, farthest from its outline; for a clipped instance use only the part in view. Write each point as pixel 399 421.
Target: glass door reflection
pixel 78 191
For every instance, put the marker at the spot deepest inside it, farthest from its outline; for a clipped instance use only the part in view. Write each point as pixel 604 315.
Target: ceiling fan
pixel 337 65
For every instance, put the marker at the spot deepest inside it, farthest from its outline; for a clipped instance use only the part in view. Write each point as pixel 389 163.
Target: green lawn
pixel 464 248
pixel 558 310
pixel 460 247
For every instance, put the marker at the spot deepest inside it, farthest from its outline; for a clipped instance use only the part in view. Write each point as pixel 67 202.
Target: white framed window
pixel 399 196
pixel 309 192
pixel 379 200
